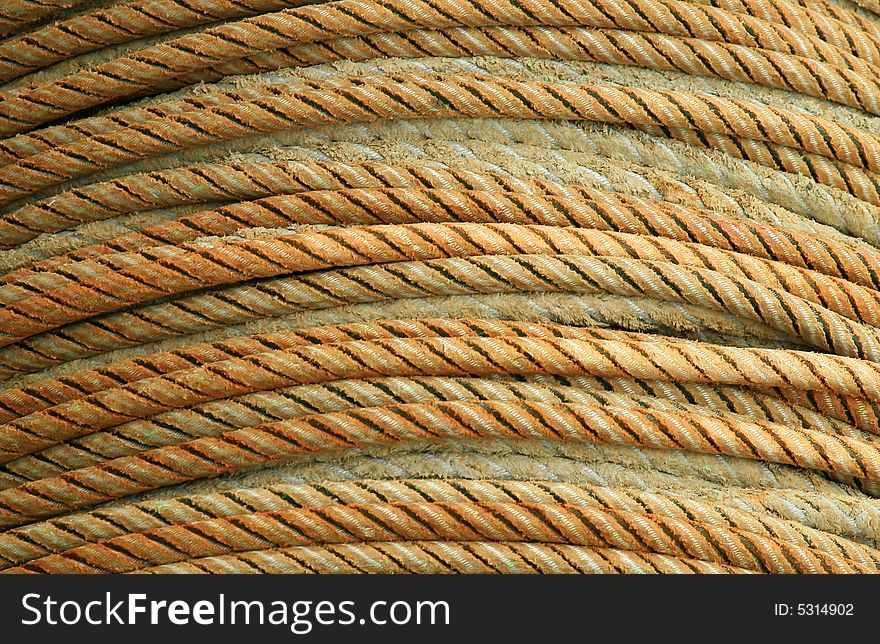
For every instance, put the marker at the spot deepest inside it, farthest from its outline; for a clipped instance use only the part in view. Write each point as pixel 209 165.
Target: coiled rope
pixel 433 287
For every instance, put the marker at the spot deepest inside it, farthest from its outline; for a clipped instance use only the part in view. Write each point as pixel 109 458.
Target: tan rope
pixel 438 287
pixel 110 25
pixel 838 454
pixel 572 207
pixel 217 417
pixel 68 354
pixel 309 24
pixel 435 557
pixel 790 498
pixel 367 100
pixel 609 46
pixel 38 304
pixel 466 510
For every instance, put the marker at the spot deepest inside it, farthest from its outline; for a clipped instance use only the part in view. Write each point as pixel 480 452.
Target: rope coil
pixel 350 286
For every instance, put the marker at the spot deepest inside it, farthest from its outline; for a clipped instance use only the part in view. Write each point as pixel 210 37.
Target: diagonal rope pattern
pixel 440 287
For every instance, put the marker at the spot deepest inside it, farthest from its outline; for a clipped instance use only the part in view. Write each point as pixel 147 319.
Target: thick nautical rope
pixel 692 118
pixel 467 511
pixel 355 17
pixel 357 286
pixel 469 557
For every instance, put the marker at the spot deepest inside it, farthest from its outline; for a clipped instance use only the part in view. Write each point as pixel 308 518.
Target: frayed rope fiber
pixel 440 287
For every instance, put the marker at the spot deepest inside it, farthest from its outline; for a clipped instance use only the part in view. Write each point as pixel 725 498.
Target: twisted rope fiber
pixel 66 210
pixel 844 68
pixel 236 182
pixel 122 475
pixel 332 198
pixel 114 24
pixel 787 13
pixel 58 535
pixel 829 175
pixel 829 206
pixel 835 203
pixel 238 94
pixel 813 287
pixel 436 557
pixel 19 402
pixel 213 263
pixel 432 287
pixel 17 13
pixel 520 270
pixel 354 17
pixel 247 411
pixel 793 315
pixel 231 182
pixel 79 385
pixel 368 100
pixel 542 147
pixel 218 416
pixel 589 309
pixel 619 47
pixel 579 44
pixel 532 273
pixel 469 509
pixel 572 207
pixel 236 448
pixel 586 463
pixel 144 372
pixel 35 398
pixel 518 266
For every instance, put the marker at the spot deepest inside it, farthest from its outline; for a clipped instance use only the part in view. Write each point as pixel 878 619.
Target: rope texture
pixel 440 287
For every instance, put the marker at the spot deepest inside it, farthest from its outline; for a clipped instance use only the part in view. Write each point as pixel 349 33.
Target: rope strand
pixel 440 287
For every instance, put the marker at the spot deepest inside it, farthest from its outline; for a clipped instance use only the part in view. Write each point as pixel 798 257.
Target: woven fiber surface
pixel 440 287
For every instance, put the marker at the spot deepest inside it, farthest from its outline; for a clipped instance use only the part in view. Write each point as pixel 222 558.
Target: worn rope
pixel 351 17
pixel 277 107
pixel 471 510
pixel 435 557
pixel 215 417
pixel 44 301
pixel 98 28
pixel 352 286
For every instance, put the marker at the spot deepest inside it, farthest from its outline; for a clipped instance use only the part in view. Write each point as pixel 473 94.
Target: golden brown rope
pixel 572 206
pixel 215 417
pixel 234 449
pixel 463 511
pixel 110 25
pixel 349 18
pixel 349 286
pixel 434 557
pixel 681 116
